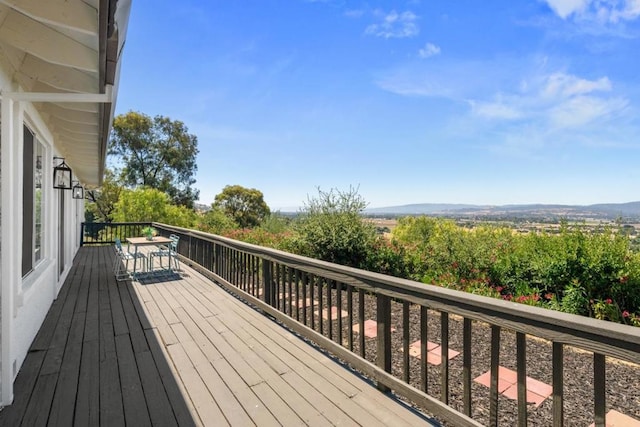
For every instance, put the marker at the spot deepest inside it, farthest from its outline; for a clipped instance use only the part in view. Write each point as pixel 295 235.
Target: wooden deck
pixel 180 351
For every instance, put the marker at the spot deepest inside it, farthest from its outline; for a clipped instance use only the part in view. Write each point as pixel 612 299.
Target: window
pixel 37 207
pixel 32 203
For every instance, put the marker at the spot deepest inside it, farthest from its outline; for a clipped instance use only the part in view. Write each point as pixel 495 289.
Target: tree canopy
pixel 151 205
pixel 245 205
pixel 156 152
pixel 215 221
pixel 102 201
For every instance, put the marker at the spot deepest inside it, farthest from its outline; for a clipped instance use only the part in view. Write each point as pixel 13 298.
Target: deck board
pixel 180 351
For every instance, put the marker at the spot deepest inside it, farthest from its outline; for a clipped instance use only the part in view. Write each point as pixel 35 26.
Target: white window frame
pixel 37 257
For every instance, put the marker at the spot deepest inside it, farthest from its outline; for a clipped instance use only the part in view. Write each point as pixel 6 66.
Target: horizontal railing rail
pixel 106 233
pixel 330 305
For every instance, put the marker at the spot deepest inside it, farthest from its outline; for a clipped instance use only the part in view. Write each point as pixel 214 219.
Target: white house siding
pixel 51 52
pixel 25 301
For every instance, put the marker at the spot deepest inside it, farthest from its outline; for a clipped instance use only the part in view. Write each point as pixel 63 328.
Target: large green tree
pixel 245 205
pixel 156 152
pixel 151 205
pixel 215 221
pixel 102 200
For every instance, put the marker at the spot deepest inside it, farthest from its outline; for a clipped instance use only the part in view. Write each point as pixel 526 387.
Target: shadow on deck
pixel 180 351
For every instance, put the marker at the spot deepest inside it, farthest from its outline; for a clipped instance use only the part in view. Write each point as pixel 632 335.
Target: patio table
pixel 143 241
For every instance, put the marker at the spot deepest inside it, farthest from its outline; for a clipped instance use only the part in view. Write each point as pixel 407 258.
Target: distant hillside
pixel 630 208
pixel 604 210
pixel 425 208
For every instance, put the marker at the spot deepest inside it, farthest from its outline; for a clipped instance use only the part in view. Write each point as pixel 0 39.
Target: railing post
pixel 81 234
pixel 384 335
pixel 267 282
pixel 217 258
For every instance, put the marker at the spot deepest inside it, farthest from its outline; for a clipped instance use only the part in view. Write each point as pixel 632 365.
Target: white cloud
pixel 601 11
pixel 558 100
pixel 629 12
pixel 513 92
pixel 422 86
pixel 456 79
pixel 495 110
pixel 566 8
pixel 582 110
pixel 564 85
pixel 428 50
pixel 394 25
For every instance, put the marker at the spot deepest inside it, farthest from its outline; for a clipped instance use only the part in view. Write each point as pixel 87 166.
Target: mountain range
pixel 602 210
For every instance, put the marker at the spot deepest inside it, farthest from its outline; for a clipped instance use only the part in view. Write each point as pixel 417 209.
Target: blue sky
pixel 416 101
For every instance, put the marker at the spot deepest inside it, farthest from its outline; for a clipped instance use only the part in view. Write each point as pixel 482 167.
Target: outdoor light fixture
pixel 77 191
pixel 61 175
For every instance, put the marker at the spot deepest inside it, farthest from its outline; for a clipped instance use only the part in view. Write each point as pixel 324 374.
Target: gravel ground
pixel 623 379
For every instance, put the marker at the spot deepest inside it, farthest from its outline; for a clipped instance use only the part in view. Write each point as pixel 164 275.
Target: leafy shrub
pixel 215 221
pixel 151 205
pixel 574 270
pixel 575 300
pixel 330 227
pixel 275 223
pixel 387 257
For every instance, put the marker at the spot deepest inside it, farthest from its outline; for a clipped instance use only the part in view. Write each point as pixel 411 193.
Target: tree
pixel 156 152
pixel 215 221
pixel 245 205
pixel 102 200
pixel 151 205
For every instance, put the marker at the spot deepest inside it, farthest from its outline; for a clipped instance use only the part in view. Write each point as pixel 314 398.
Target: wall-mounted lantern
pixel 77 191
pixel 61 175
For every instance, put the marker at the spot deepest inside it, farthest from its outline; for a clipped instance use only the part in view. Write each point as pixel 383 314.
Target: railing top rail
pixel 115 223
pixel 612 339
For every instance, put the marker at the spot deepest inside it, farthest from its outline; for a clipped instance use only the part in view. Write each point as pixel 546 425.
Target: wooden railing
pixel 106 233
pixel 297 291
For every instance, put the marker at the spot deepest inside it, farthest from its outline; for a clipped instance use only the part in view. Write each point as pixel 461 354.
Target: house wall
pixel 25 301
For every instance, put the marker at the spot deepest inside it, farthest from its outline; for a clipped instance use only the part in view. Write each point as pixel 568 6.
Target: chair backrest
pixel 118 244
pixel 174 242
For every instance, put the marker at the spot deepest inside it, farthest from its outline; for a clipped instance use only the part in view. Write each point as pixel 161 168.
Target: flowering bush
pixel 606 310
pixel 587 273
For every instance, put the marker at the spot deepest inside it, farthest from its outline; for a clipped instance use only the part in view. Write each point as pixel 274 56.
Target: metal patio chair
pixel 121 263
pixel 170 251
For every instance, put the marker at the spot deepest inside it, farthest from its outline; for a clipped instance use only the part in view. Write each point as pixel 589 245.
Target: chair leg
pixel 120 273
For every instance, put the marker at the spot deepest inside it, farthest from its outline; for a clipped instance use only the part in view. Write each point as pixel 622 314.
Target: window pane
pixel 27 202
pixel 37 208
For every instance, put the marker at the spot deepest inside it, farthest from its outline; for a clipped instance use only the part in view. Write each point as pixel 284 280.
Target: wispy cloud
pixel 566 85
pixel 429 50
pixel 394 25
pixel 454 79
pixel 558 100
pixel 519 107
pixel 603 11
pixel 495 110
